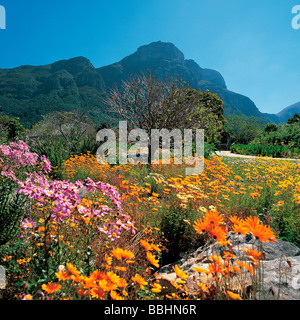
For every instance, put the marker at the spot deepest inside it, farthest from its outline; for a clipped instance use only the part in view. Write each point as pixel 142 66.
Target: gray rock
pixel 280 270
pixel 281 279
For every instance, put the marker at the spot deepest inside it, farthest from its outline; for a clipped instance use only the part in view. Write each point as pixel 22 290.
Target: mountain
pixel 288 112
pixel 29 92
pixel 163 58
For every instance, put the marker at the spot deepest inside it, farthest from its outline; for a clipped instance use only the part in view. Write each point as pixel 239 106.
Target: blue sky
pixel 251 43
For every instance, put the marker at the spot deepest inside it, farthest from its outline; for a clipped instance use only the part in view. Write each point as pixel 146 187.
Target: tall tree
pixel 150 103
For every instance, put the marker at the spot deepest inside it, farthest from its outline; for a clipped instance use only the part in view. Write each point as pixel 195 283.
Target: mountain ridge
pixel 29 91
pixel 164 58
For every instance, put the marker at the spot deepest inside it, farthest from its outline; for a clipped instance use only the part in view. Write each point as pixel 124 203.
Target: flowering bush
pixel 54 208
pixel 16 164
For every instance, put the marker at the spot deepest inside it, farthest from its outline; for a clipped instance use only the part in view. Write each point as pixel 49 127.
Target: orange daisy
pixel 250 223
pixel 235 220
pixel 51 287
pixel 98 293
pixel 156 288
pixel 73 269
pixel 152 259
pixel 253 253
pixel 218 233
pixel 200 226
pixel 139 280
pixel 119 254
pixel 213 218
pixel 239 228
pixel 115 296
pixel 146 245
pixel 232 295
pixel 62 275
pixel 179 273
pixel 263 233
pixel 107 285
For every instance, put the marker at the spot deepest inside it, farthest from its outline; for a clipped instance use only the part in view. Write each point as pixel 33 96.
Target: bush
pixel 17 164
pixel 277 151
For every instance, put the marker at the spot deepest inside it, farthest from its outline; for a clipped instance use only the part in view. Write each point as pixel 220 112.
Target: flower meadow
pixel 103 231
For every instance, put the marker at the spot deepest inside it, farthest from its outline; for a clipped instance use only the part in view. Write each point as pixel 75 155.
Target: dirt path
pixel 230 154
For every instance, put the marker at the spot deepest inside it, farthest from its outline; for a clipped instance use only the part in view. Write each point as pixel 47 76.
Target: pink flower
pixel 28 224
pixel 59 213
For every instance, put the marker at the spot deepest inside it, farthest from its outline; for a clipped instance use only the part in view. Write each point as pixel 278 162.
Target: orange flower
pixel 107 285
pixel 263 233
pixel 203 287
pixel 139 280
pixel 216 260
pixel 120 253
pixel 213 218
pixel 113 277
pixel 260 231
pixel 235 220
pixel 88 282
pixel 232 295
pixel 108 259
pixel 155 247
pixel 240 263
pixel 179 273
pixel 152 259
pixel 228 255
pixel 200 225
pixel 120 268
pixel 98 275
pixel 115 296
pixel 51 287
pixel 249 268
pixel 251 222
pixel 239 228
pixel 156 288
pixel 73 269
pixel 200 270
pixel 218 233
pixel 253 253
pixel 98 293
pixel 62 275
pixel 254 195
pixel 146 245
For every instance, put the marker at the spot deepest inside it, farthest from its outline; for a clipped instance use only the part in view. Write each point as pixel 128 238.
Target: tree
pixel 271 127
pixel 10 128
pixel 241 129
pixel 294 119
pixel 208 114
pixel 150 103
pixel 63 134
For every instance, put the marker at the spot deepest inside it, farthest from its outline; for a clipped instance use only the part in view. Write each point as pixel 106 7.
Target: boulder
pixel 279 268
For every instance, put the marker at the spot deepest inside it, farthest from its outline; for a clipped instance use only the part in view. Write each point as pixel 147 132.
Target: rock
pixel 279 248
pixel 281 279
pixel 280 270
